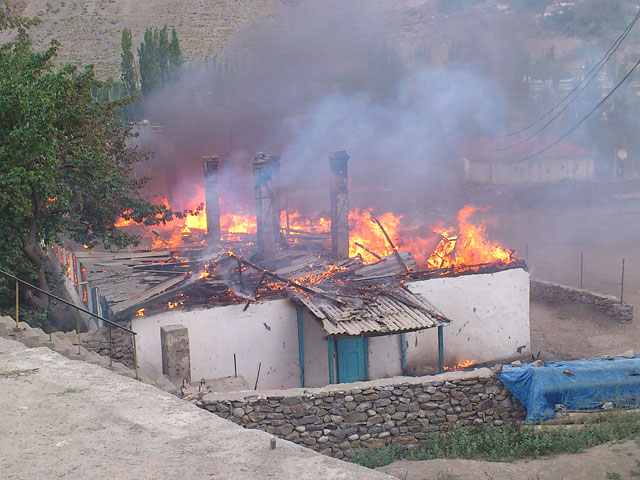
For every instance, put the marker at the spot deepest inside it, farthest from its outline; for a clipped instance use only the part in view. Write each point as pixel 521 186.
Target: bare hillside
pixel 90 29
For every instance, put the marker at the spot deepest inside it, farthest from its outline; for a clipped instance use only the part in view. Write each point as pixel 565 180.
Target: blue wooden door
pixel 352 359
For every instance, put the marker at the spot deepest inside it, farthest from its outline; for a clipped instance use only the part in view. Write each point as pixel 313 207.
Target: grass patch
pixel 18 373
pixel 70 390
pixel 507 443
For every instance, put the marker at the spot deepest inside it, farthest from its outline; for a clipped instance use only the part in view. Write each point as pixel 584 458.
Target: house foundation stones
pixel 337 419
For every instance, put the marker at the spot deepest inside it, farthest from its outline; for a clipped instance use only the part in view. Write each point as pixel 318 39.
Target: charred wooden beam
pixel 393 247
pixel 369 251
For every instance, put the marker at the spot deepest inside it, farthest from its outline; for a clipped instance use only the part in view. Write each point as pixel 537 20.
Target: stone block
pixel 176 357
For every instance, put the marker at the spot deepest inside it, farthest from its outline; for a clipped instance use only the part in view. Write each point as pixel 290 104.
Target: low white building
pixel 489 316
pixel 493 163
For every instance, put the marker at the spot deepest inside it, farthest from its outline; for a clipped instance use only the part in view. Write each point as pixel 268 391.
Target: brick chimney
pixel 277 196
pixel 339 204
pixel 263 183
pixel 212 197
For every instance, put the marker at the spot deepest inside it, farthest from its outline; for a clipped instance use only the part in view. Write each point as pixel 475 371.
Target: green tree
pixel 162 55
pixel 159 57
pixel 66 166
pixel 175 53
pixel 147 60
pixel 127 68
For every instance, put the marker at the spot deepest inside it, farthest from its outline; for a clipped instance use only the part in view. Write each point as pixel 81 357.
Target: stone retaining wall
pixel 555 293
pixel 337 419
pixel 98 341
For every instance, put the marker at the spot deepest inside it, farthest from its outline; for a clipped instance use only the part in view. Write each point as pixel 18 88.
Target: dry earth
pixel 604 462
pixel 554 239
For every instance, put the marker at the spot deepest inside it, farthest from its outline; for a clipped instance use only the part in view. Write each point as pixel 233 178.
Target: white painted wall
pixel 490 314
pixel 385 356
pixel 266 332
pixel 490 319
pixel 316 353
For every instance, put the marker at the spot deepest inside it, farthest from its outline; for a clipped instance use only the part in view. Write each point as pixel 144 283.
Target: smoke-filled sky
pixel 313 78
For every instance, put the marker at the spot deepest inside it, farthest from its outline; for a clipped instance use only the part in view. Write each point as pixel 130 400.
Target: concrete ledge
pixel 104 425
pixel 345 387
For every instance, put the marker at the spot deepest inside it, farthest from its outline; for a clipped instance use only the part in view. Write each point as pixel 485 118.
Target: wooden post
pixel 330 347
pixel 440 349
pixel 622 284
pixel 300 344
pixel 135 357
pixel 255 387
pixel 403 352
pixel 17 304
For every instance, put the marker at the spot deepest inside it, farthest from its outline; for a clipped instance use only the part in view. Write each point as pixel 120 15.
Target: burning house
pixel 300 301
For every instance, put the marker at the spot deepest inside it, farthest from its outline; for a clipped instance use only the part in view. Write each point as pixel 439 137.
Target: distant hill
pixel 90 30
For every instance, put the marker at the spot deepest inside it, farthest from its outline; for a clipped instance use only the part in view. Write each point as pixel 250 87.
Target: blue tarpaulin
pixel 576 385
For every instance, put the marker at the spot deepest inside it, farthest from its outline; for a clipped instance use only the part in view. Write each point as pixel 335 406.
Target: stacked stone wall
pixel 98 341
pixel 555 293
pixel 337 419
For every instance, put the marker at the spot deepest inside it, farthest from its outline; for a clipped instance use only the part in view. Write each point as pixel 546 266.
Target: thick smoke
pixel 318 77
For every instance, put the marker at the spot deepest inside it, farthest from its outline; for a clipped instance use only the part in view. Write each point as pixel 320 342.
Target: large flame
pixel 365 231
pixel 466 245
pixel 458 247
pixel 234 223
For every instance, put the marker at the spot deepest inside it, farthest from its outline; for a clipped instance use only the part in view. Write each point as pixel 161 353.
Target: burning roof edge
pixel 394 311
pixel 361 314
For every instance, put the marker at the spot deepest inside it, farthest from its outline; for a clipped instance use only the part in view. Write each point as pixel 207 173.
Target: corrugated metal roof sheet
pixel 391 311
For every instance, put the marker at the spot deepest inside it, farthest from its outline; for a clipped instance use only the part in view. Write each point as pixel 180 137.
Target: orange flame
pixel 83 277
pixel 466 245
pixel 460 365
pixel 238 223
pixel 363 230
pixel 461 246
pixel 121 222
pixel 140 313
pixel 172 305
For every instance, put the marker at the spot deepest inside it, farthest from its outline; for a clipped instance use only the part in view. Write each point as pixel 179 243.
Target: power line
pixel 572 129
pixel 567 105
pixel 599 65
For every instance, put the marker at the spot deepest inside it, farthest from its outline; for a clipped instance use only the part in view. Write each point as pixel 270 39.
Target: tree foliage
pixel 129 75
pixel 66 166
pixel 592 18
pixel 159 58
